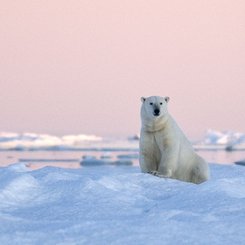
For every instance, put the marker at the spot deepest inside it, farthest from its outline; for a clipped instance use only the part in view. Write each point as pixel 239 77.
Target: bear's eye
pixel 160 103
pixel 151 103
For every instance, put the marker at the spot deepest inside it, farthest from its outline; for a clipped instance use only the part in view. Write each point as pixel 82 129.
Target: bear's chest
pixel 154 144
pixel 162 141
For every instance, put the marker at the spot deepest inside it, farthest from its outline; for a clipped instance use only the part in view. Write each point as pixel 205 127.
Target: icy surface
pixel 213 140
pixel 219 137
pixel 224 140
pixel 119 205
pixel 31 141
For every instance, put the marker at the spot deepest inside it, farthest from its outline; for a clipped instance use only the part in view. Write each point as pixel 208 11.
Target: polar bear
pixel 164 149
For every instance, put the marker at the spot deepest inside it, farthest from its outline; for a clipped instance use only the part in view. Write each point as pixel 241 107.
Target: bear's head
pixel 154 107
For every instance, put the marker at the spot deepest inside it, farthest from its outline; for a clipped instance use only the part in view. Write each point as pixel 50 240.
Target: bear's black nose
pixel 156 112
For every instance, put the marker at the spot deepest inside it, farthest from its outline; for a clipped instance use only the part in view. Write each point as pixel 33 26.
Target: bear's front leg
pixel 164 172
pixel 167 165
pixel 147 164
pixel 158 174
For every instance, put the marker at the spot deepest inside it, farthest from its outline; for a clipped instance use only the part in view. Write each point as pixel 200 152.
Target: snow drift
pixel 119 205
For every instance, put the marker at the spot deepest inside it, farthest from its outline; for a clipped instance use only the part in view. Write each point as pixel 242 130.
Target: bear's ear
pixel 143 99
pixel 166 99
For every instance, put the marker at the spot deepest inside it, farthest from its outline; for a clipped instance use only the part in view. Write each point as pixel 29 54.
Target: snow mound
pixel 120 205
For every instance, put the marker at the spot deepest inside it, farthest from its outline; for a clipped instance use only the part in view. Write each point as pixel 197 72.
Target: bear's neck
pixel 155 125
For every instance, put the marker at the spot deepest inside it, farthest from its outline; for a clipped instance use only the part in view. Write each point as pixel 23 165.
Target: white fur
pixel 164 149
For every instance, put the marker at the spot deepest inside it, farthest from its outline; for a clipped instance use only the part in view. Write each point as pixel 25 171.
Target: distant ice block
pixel 241 162
pixel 217 140
pixel 31 141
pixel 134 137
pixel 128 156
pixel 88 161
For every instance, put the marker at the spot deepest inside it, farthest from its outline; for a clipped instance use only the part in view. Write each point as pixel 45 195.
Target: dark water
pixel 222 157
pixel 71 159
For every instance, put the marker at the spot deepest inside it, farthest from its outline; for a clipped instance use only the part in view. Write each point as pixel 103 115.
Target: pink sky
pixel 81 66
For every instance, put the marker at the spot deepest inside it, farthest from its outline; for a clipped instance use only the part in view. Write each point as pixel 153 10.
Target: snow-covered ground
pixel 119 205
